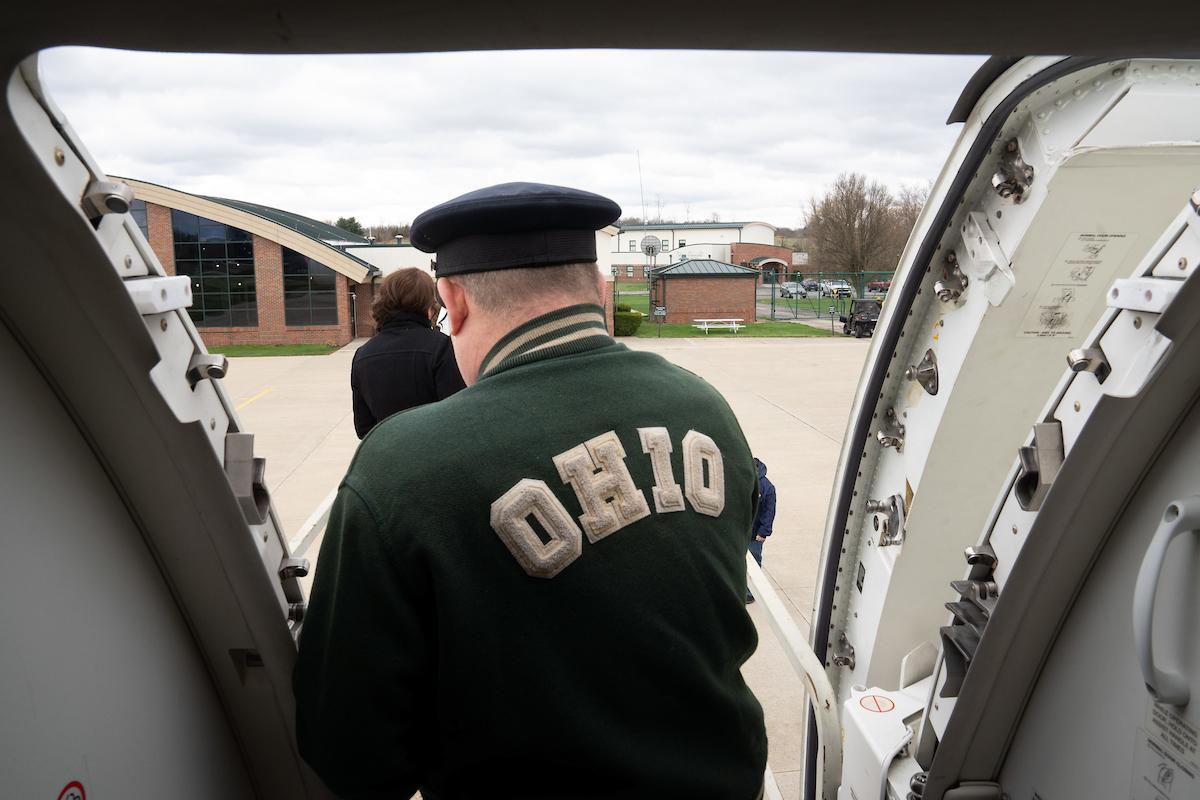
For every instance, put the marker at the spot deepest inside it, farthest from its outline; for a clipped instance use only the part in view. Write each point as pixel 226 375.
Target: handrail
pixel 812 671
pixel 1166 685
pixel 313 526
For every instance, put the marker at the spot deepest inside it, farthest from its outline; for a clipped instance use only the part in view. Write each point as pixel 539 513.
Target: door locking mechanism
pixel 1040 463
pixel 891 432
pixel 891 527
pixel 953 282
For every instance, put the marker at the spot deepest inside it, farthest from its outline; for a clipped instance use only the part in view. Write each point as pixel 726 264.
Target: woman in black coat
pixel 407 362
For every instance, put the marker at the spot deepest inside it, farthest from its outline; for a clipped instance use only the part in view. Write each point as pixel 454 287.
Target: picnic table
pixel 725 323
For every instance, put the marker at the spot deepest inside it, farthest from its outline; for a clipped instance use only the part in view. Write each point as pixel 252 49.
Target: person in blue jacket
pixel 765 518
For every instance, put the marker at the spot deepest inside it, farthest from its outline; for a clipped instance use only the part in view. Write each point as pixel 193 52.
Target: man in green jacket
pixel 535 588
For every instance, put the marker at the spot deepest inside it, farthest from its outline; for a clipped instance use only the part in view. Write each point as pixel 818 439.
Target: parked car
pixel 811 286
pixel 792 289
pixel 836 289
pixel 864 314
pixel 878 286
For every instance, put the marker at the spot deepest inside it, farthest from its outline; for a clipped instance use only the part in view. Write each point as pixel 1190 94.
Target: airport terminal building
pixel 259 275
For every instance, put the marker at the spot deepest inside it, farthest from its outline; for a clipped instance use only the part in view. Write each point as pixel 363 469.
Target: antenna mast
pixel 641 188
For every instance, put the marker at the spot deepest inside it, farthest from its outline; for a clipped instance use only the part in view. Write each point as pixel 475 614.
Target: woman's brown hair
pixel 410 290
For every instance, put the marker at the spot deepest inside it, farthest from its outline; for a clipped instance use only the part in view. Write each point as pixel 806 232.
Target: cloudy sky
pixel 741 135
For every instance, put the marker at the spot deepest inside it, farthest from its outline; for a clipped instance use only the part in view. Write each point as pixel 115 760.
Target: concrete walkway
pixel 792 397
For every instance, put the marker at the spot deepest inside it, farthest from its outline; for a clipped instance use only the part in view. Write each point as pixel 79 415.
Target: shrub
pixel 625 308
pixel 626 323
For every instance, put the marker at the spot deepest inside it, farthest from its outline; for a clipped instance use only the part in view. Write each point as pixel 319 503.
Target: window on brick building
pixel 632 246
pixel 219 259
pixel 309 291
pixel 629 271
pixel 666 244
pixel 137 210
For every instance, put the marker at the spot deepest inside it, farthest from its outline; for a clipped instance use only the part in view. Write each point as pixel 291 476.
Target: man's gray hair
pixel 500 291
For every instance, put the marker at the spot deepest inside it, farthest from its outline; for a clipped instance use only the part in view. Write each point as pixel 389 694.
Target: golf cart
pixel 862 318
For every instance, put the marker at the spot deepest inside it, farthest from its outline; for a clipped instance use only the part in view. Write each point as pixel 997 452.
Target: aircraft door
pixel 1093 727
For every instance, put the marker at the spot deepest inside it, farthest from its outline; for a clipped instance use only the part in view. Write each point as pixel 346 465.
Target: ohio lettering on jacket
pixel 597 473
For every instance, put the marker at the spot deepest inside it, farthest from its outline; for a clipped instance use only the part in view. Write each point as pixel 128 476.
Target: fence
pixel 817 296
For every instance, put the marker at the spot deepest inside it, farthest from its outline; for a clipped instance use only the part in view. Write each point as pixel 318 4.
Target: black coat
pixel 405 364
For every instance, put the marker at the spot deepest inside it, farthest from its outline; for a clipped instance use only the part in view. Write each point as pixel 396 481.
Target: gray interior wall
pixel 100 681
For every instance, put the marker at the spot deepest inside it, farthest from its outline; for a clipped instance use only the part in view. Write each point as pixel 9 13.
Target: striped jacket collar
pixel 573 329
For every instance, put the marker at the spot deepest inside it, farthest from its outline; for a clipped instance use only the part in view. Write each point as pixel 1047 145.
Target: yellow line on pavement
pixel 250 400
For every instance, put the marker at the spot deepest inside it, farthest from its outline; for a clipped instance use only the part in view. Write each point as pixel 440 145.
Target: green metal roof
pixel 309 227
pixel 705 267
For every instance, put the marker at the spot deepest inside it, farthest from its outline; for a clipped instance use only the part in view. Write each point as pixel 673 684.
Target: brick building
pixel 259 275
pixel 748 244
pixel 769 260
pixel 705 289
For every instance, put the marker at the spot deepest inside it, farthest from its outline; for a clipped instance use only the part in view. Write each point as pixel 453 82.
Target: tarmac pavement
pixel 792 397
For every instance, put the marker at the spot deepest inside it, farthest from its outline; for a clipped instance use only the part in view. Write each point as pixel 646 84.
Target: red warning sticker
pixel 877 703
pixel 73 791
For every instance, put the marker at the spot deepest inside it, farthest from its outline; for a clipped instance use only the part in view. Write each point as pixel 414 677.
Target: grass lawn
pixel 245 350
pixel 637 302
pixel 630 286
pixel 650 330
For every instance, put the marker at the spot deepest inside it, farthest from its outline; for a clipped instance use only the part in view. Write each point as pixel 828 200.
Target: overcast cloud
pixel 742 135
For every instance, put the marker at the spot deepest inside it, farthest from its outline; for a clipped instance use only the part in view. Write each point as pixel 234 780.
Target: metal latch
pixel 1013 176
pixel 291 570
pixel 892 531
pixel 891 432
pixel 1040 463
pixel 206 366
pixel 246 476
pixel 953 281
pixel 106 197
pixel 845 653
pixel 1089 359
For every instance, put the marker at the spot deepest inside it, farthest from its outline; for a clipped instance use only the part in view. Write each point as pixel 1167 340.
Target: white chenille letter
pixel 709 498
pixel 510 520
pixel 668 496
pixel 596 471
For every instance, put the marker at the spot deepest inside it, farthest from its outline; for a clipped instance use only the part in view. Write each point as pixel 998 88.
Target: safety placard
pixel 1074 284
pixel 1158 774
pixel 1175 733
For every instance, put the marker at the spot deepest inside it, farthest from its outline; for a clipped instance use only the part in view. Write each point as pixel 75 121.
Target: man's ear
pixel 455 301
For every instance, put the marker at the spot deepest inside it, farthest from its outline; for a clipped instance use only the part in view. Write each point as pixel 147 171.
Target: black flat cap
pixel 513 225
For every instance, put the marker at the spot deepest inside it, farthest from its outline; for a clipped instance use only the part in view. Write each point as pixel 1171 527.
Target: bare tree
pixel 851 226
pixel 907 207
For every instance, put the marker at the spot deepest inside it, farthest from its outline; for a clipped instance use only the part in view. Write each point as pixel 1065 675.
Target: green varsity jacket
pixel 536 587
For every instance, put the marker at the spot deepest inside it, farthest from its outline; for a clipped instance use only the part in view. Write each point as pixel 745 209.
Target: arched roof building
pixel 259 275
